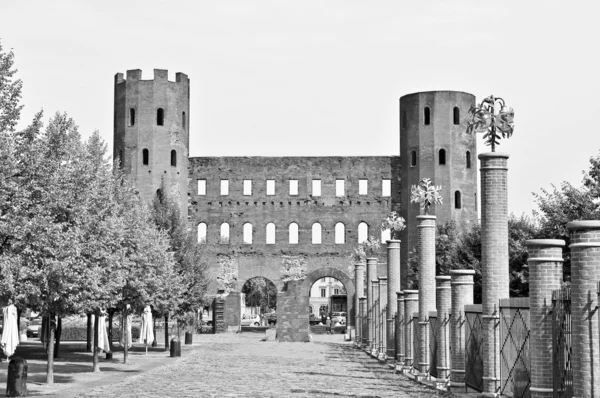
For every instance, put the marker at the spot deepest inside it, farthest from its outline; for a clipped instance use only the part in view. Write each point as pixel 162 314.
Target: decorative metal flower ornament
pixel 426 194
pixel 484 119
pixel 394 223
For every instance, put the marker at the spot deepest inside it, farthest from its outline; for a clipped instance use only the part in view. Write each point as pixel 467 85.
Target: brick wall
pixel 461 295
pixel 426 229
pixel 444 307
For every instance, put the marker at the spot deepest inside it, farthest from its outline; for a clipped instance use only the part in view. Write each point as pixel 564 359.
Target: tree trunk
pixel 88 346
pixel 166 332
pixel 96 365
pixel 111 313
pixel 124 334
pixel 50 364
pixel 19 322
pixel 58 334
pixel 154 343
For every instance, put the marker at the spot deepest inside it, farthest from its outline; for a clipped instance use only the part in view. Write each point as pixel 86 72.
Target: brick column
pixel 376 316
pixel 585 273
pixel 383 297
pixel 494 260
pixel 444 305
pixel 371 274
pixel 462 294
pixel 400 329
pixel 545 274
pixel 364 326
pixel 426 231
pixel 393 274
pixel 411 305
pixel 359 283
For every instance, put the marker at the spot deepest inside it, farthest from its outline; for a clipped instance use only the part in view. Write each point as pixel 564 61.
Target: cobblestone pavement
pixel 240 365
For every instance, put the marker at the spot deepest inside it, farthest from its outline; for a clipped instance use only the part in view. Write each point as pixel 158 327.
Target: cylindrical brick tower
pixel 359 282
pixel 393 287
pixel 494 260
pixel 383 298
pixel 545 274
pixel 371 274
pixel 151 132
pixel 376 318
pixel 585 271
pixel 426 230
pixel 400 329
pixel 411 305
pixel 434 144
pixel 444 306
pixel 462 294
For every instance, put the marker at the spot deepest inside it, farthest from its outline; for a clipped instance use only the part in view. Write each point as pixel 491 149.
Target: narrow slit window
pixel 145 156
pixel 160 117
pixel 316 234
pixel 132 117
pixel 270 233
pixel 293 232
pixel 174 158
pixel 247 239
pixel 202 232
pixel 442 157
pixel 457 200
pixel 456 115
pixel 413 158
pixel 468 160
pixel 224 233
pixel 183 120
pixel 426 116
pixel 340 230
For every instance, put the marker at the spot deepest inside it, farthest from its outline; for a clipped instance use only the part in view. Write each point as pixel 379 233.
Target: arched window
pixel 247 233
pixel 183 120
pixel 131 116
pixel 160 117
pixel 468 160
pixel 426 116
pixel 340 236
pixel 145 156
pixel 442 157
pixel 385 235
pixel 363 232
pixel 224 233
pixel 270 233
pixel 456 115
pixel 457 201
pixel 316 233
pixel 293 232
pixel 174 158
pixel 413 158
pixel 202 232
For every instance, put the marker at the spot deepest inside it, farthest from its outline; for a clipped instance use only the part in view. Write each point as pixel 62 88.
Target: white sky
pixel 319 78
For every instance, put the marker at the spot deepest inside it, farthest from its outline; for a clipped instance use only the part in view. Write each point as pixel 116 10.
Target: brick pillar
pixel 383 297
pixel 364 326
pixel 411 305
pixel 444 305
pixel 494 260
pixel 585 273
pixel 426 231
pixel 462 294
pixel 545 274
pixel 376 316
pixel 400 329
pixel 393 274
pixel 359 283
pixel 371 274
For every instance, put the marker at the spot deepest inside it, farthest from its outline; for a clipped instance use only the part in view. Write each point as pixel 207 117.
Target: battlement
pixel 159 75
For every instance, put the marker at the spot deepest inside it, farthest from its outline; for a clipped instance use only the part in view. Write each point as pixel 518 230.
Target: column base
pixel 381 356
pixel 374 352
pixel 420 376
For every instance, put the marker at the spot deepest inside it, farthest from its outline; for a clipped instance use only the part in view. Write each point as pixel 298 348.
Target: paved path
pixel 240 365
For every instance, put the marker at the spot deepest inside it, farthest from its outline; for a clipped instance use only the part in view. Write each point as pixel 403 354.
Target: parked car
pixel 250 320
pixel 34 328
pixel 338 317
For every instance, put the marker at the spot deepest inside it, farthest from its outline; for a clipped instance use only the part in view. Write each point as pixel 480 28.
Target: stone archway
pixel 341 276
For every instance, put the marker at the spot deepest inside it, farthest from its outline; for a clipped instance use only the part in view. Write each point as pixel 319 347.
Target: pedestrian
pixel 328 325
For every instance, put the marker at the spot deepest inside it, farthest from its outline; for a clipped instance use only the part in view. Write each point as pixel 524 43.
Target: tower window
pixel 442 157
pixel 247 187
pixel 413 158
pixel 456 115
pixel 202 232
pixel 247 233
pixel 426 116
pixel 468 160
pixel 340 232
pixel 183 120
pixel 174 158
pixel 131 116
pixel 270 233
pixel 386 187
pixel 145 156
pixel 160 117
pixel 224 234
pixel 403 119
pixel 293 234
pixel 363 187
pixel 363 232
pixel 457 201
pixel 316 233
pixel 293 187
pixel 121 158
pixel 316 187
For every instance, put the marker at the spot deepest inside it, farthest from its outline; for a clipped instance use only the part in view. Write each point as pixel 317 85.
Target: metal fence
pixel 433 344
pixel 474 347
pixel 515 362
pixel 561 343
pixel 416 341
pixel 374 343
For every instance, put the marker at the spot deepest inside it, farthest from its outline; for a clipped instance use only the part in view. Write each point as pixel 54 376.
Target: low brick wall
pixel 320 329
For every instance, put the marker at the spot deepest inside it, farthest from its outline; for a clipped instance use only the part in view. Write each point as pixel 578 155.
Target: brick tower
pixel 434 144
pixel 151 131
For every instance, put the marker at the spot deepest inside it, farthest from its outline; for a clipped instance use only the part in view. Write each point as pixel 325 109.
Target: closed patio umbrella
pixel 102 335
pixel 10 333
pixel 147 333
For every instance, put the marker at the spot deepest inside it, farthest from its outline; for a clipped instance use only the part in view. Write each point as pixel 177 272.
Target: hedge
pixel 76 333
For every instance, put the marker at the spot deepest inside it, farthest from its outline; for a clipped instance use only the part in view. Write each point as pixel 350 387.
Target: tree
pixel 260 292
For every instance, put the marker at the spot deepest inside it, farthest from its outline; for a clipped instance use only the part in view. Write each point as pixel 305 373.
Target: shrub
pixel 77 333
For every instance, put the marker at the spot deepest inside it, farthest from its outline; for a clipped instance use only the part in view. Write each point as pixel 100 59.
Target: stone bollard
pixel 400 331
pixel 376 316
pixel 411 305
pixel 545 274
pixel 383 311
pixel 494 260
pixel 426 230
pixel 175 349
pixel 462 294
pixel 393 275
pixel 359 281
pixel 585 273
pixel 444 305
pixel 371 274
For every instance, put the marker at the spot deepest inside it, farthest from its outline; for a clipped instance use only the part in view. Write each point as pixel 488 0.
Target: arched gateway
pixel 293 304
